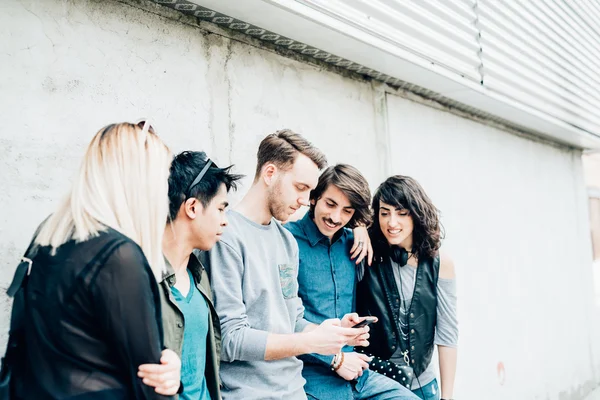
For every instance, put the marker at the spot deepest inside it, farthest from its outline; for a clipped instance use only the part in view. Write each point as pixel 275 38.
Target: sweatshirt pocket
pixel 288 279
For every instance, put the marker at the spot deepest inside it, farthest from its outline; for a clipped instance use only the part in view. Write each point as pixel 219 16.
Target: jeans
pixel 370 385
pixel 378 387
pixel 431 391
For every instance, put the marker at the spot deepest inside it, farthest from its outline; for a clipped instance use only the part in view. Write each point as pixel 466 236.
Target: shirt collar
pixel 313 234
pixel 194 265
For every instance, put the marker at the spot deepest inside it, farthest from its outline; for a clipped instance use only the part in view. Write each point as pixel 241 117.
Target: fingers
pixel 361 237
pixel 353 332
pixel 365 358
pixel 361 253
pixel 155 368
pixel 359 341
pixel 354 247
pixel 172 391
pixel 332 322
pixel 168 388
pixel 168 356
pixel 159 377
pixel 370 253
pixel 160 383
pixel 357 252
pixel 354 318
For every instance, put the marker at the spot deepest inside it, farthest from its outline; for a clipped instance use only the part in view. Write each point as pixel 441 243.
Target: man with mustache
pixel 254 272
pixel 327 280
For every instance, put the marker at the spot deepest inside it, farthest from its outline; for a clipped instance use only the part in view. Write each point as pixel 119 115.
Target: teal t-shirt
pixel 193 357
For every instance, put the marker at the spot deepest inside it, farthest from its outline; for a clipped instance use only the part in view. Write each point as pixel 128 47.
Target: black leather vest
pixel 378 296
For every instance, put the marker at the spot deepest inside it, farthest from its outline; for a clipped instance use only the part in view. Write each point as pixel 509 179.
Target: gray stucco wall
pixel 68 67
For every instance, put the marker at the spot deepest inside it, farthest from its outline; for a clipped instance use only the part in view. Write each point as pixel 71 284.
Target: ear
pixel 269 174
pixel 192 207
pixel 313 202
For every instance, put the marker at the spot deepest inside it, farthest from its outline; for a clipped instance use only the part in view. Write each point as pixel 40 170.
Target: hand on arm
pixel 165 377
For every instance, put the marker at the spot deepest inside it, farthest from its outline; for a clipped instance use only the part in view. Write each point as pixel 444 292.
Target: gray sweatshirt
pixel 254 277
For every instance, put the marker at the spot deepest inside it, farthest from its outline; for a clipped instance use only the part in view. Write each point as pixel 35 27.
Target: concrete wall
pixel 514 209
pixel 515 213
pixel 591 165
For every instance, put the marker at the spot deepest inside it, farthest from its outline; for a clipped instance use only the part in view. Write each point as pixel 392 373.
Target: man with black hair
pixel 197 202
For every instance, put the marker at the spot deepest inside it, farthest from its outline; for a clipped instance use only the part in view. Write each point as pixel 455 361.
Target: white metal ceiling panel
pixel 544 54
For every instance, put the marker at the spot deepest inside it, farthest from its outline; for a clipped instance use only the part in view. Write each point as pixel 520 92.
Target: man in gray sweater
pixel 254 270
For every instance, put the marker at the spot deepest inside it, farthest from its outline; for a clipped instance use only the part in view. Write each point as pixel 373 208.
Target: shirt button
pixel 413 361
pixel 413 347
pixel 393 347
pixel 412 331
pixel 179 325
pixel 412 315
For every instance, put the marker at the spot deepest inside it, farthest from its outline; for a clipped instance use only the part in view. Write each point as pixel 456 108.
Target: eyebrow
pixel 388 209
pixel 335 202
pixel 225 204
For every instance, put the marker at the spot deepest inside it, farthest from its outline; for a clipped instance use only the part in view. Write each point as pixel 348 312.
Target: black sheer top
pixel 92 316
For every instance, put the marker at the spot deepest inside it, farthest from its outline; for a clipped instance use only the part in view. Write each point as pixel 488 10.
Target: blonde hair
pixel 122 184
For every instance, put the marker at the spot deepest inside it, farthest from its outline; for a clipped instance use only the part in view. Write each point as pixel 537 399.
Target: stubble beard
pixel 275 204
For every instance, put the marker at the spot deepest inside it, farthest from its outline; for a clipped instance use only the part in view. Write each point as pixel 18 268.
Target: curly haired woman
pixel 411 288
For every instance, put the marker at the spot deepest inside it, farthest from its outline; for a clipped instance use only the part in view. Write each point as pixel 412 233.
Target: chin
pixel 282 217
pixel 206 246
pixel 394 241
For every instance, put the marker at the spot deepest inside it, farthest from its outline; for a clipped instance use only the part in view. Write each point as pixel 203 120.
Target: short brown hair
pixel 282 147
pixel 353 184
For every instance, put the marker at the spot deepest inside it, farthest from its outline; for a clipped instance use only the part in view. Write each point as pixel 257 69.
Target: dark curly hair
pixel 406 193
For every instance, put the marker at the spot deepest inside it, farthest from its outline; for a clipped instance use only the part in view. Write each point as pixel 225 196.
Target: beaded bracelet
pixel 335 368
pixel 335 364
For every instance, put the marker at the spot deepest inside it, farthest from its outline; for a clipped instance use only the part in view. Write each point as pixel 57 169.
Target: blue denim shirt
pixel 327 277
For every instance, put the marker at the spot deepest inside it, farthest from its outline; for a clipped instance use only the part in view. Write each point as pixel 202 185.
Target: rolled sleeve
pixel 301 324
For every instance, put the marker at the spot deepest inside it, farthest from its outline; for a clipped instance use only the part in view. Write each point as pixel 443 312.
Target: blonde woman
pixel 91 302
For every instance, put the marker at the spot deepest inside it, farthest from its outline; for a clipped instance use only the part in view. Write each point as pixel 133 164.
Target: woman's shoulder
pixel 109 246
pixel 447 270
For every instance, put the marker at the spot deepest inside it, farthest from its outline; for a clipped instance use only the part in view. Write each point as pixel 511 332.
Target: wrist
pixel 305 344
pixel 337 362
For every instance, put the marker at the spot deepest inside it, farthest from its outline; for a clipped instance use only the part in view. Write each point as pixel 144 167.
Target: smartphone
pixel 365 322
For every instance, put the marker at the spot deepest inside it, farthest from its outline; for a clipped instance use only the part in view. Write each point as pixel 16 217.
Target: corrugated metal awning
pixel 441 32
pixel 531 65
pixel 545 54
